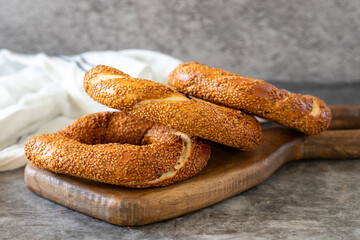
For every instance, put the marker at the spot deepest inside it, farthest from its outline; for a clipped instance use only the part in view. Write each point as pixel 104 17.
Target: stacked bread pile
pixel 160 135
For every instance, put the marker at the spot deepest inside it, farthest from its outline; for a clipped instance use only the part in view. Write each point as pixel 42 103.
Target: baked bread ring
pixel 305 113
pixel 114 148
pixel 161 104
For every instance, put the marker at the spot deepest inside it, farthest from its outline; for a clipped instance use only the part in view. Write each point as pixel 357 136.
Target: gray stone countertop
pixel 316 199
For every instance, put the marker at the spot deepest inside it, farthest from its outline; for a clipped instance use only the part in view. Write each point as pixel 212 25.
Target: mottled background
pixel 282 40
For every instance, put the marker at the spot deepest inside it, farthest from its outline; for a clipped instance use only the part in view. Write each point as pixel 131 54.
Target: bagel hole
pixel 117 128
pixel 121 140
pixel 101 137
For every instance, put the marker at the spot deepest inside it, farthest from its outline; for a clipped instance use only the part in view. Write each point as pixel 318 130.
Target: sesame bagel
pixel 305 113
pixel 162 104
pixel 115 148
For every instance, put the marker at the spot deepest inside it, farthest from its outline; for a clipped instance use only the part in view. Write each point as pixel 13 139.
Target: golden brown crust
pixel 206 120
pixel 114 148
pixel 305 113
pixel 116 89
pixel 164 105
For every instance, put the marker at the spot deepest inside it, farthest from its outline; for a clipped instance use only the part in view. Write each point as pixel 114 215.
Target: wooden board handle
pixel 345 117
pixel 334 144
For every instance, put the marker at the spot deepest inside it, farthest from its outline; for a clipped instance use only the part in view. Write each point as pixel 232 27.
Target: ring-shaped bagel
pixel 305 113
pixel 164 105
pixel 115 148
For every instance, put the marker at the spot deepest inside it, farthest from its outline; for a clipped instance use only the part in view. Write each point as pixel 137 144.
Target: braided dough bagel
pixel 305 113
pixel 161 104
pixel 114 148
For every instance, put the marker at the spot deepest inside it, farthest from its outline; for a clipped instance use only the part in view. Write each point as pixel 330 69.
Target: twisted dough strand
pixel 159 103
pixel 305 113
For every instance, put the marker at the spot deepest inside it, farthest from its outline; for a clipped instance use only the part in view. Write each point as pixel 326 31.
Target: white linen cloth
pixel 42 94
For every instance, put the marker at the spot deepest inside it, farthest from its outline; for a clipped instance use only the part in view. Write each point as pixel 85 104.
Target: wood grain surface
pixel 229 172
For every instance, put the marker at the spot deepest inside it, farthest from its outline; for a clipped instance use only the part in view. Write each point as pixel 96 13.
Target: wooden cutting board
pixel 229 172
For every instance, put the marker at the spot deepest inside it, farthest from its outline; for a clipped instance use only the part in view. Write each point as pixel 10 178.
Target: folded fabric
pixel 41 94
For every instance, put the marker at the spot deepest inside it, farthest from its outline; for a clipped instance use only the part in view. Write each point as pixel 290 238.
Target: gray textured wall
pixel 281 40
